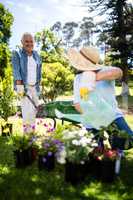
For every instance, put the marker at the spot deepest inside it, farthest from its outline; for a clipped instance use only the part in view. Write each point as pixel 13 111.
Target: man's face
pixel 28 43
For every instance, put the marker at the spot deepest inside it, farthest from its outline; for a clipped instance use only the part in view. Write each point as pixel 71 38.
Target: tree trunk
pixel 125 88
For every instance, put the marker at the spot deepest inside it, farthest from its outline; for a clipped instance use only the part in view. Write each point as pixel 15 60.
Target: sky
pixel 34 15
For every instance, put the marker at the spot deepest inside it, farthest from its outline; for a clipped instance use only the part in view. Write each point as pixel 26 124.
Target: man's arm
pixel 110 74
pixel 16 68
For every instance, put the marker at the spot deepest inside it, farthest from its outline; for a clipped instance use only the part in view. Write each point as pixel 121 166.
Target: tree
pixel 68 33
pixel 56 80
pixel 56 28
pixel 6 20
pixel 57 76
pixel 118 25
pixel 50 46
pixel 86 31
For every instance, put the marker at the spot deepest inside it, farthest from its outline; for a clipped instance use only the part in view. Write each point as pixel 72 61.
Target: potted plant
pixel 7 107
pixel 104 163
pixel 78 144
pixel 23 146
pixel 48 149
pixel 121 140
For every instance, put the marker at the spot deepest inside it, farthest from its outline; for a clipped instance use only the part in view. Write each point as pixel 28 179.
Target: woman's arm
pixel 109 74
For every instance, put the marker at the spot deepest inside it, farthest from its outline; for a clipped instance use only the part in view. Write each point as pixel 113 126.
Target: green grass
pixel 32 184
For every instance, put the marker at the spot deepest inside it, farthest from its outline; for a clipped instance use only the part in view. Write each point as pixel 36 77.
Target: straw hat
pixel 84 60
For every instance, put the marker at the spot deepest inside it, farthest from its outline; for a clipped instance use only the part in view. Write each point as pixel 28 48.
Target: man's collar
pixel 24 51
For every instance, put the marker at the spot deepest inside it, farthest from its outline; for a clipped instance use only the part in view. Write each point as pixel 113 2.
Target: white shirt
pixel 31 69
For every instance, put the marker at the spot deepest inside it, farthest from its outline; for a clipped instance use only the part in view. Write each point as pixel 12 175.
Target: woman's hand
pixel 78 108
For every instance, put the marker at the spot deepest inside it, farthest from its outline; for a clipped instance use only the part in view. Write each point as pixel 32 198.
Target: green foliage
pixel 86 30
pixel 57 76
pixel 113 130
pixel 50 46
pixel 31 184
pixel 6 20
pixel 20 142
pixel 78 144
pixel 56 79
pixel 7 97
pixel 49 146
pixel 4 58
pixel 116 30
pixel 58 132
pixel 75 34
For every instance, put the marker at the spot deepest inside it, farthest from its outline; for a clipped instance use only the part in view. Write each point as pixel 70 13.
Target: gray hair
pixel 25 35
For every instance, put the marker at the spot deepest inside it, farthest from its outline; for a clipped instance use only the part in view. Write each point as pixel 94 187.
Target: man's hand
pixel 20 90
pixel 110 74
pixel 19 82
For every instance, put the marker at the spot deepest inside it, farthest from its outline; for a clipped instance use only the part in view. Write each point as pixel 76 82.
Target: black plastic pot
pixel 23 158
pixel 46 162
pixel 8 127
pixel 74 173
pixel 33 154
pixel 108 170
pixel 95 167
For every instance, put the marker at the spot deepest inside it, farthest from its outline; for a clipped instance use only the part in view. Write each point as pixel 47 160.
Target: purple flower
pixel 56 141
pixel 44 159
pixel 51 129
pixel 30 143
pixel 33 138
pixel 46 145
pixel 50 153
pixel 33 126
pixel 25 129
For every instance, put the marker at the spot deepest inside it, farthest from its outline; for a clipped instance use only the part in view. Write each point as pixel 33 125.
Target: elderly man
pixel 27 76
pixel 93 79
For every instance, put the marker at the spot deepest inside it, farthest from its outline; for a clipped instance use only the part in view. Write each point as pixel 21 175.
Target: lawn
pixel 32 184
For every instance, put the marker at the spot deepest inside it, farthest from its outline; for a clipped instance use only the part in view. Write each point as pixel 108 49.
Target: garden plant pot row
pixel 74 173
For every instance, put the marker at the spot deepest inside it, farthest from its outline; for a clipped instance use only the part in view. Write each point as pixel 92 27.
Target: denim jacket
pixel 19 62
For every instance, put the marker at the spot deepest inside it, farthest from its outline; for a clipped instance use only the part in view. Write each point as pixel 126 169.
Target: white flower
pixel 94 145
pixel 83 141
pixel 69 134
pixel 88 140
pixel 75 142
pixel 61 157
pixel 81 133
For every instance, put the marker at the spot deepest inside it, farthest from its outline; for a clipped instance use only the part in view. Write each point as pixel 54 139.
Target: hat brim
pixel 79 62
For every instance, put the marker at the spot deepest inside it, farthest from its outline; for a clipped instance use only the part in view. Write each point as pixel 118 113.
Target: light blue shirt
pixel 105 88
pixel 20 71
